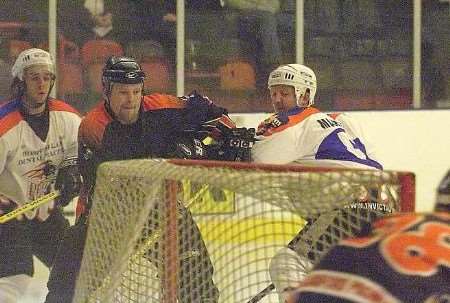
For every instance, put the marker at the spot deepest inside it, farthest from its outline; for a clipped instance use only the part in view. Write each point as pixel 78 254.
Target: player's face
pixel 282 97
pixel 125 101
pixel 38 80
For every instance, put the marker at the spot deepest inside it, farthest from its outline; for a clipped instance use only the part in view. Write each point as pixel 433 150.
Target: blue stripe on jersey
pixel 9 108
pixel 295 110
pixel 333 148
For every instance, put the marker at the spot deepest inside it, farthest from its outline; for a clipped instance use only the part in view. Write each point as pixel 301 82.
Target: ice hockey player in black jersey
pixel 127 125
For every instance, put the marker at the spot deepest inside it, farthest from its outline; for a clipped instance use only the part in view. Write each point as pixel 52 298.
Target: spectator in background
pixel 16 11
pixel 84 20
pixel 286 28
pixel 156 20
pixel 32 14
pixel 257 24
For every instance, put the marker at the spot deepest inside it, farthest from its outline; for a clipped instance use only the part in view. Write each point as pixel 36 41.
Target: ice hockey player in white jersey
pixel 38 137
pixel 299 133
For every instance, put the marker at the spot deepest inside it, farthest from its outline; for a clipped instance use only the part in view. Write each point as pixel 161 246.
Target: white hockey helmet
pixel 29 57
pixel 299 76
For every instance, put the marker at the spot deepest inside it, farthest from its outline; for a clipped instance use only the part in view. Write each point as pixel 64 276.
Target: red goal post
pixel 138 245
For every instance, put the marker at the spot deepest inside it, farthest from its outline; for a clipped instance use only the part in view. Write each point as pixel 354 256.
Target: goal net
pixel 205 231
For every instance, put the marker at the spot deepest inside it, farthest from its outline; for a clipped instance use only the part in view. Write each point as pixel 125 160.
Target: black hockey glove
pixel 200 109
pixel 195 143
pixel 231 143
pixel 217 139
pixel 236 145
pixel 68 181
pixel 191 148
pixel 195 100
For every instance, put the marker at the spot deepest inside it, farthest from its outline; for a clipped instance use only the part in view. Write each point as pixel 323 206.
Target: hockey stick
pixel 262 293
pixel 29 206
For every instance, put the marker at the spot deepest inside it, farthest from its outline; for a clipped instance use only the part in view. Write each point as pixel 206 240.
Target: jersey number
pixel 353 146
pixel 413 252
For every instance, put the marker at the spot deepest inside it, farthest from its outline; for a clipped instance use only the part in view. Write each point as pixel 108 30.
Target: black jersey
pixel 162 119
pixel 405 258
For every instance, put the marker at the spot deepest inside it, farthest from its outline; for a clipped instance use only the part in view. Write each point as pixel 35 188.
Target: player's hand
pixel 7 205
pixel 274 121
pixel 68 181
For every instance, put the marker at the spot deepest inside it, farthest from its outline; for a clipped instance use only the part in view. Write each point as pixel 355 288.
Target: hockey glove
pixel 217 139
pixel 195 100
pixel 191 148
pixel 231 143
pixel 7 205
pixel 274 121
pixel 218 128
pixel 236 145
pixel 68 181
pixel 200 109
pixel 222 141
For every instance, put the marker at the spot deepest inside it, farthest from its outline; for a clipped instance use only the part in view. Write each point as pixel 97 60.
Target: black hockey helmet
pixel 121 70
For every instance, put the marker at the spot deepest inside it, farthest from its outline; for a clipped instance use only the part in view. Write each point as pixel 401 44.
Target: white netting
pixel 245 214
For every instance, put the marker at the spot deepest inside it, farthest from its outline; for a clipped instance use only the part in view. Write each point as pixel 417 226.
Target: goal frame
pixel 169 286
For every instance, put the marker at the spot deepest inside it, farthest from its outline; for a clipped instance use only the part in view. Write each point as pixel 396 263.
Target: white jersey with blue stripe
pixel 308 136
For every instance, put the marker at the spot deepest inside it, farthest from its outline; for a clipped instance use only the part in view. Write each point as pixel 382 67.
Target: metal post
pixel 180 47
pixel 417 53
pixel 171 258
pixel 299 32
pixel 52 39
